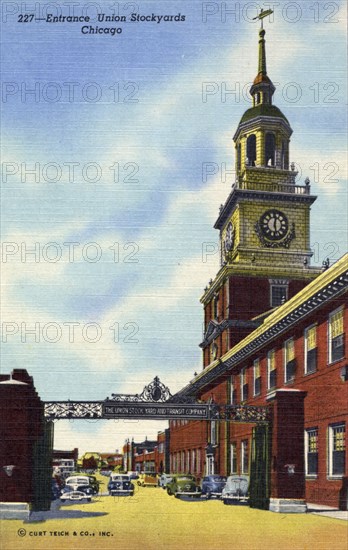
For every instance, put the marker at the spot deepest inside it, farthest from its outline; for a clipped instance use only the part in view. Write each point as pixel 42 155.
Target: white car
pixel 236 489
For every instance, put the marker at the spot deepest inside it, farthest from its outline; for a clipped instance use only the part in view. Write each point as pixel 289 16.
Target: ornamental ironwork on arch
pixel 155 392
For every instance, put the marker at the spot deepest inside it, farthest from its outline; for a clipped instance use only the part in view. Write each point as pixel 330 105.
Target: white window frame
pixel 198 460
pixel 213 432
pixel 329 339
pixel 210 465
pixel 306 444
pixel 269 353
pixel 243 382
pixel 233 458
pixel 255 365
pixel 331 430
pixel 315 325
pixel 193 460
pixel 232 389
pixel 285 355
pixel 244 453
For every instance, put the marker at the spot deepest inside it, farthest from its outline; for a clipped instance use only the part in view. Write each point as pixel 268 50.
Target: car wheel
pixel 169 492
pixel 89 499
pixel 139 483
pixel 225 501
pixel 208 495
pixel 177 496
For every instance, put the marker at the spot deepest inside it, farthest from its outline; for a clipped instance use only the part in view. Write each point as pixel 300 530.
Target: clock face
pixel 274 225
pixel 229 237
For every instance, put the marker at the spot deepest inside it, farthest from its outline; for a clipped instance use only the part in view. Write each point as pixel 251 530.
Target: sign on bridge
pixel 154 403
pixel 157 411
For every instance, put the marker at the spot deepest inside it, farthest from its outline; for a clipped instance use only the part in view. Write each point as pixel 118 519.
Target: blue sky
pixel 137 190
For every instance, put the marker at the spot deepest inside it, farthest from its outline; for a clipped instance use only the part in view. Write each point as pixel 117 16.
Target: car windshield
pixel 219 479
pixel 77 480
pixel 184 478
pixel 120 478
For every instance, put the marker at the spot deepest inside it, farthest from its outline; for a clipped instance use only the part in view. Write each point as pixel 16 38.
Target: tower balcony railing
pixel 274 187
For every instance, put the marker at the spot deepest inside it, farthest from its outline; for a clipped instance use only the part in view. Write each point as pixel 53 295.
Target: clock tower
pixel 264 226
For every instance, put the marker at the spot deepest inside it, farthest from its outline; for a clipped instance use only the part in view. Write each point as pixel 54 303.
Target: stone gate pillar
pixel 21 413
pixel 287 461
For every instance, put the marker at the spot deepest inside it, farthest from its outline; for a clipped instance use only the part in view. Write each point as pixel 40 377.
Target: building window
pixel 233 458
pixel 279 295
pixel 251 150
pixel 216 308
pixel 310 337
pixel 214 351
pixel 198 461
pixel 257 377
pixel 243 384
pixel 193 460
pixel 336 336
pixel 289 360
pixel 271 370
pixel 245 456
pixel 337 450
pixel 270 150
pixel 311 451
pixel 182 469
pixel 239 157
pixel 233 391
pixel 213 432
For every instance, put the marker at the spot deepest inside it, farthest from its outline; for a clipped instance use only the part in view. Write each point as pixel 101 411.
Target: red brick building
pixel 297 352
pixel 148 456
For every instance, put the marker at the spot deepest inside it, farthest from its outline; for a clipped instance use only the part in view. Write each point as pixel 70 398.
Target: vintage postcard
pixel 174 275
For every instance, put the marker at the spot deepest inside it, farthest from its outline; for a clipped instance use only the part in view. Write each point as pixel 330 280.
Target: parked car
pixel 133 475
pixel 213 485
pixel 183 484
pixel 77 488
pixel 147 479
pixel 236 489
pixel 164 479
pixel 120 484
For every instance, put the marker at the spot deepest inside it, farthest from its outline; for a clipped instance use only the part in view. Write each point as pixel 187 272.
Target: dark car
pixel 236 489
pixel 213 485
pixel 120 485
pixel 183 484
pixel 55 489
pixel 77 488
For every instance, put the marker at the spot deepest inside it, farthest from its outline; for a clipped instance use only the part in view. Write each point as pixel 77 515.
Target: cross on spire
pixel 262 15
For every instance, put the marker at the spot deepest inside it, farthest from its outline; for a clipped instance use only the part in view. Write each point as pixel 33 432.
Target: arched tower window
pixel 270 150
pixel 239 157
pixel 251 150
pixel 284 159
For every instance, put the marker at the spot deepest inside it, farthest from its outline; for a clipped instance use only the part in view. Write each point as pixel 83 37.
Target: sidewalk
pixel 328 511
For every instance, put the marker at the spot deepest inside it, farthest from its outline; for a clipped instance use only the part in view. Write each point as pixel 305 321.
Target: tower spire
pixel 262 53
pixel 262 89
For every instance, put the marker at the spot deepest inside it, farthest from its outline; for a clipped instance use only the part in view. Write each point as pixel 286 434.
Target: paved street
pixel 151 519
